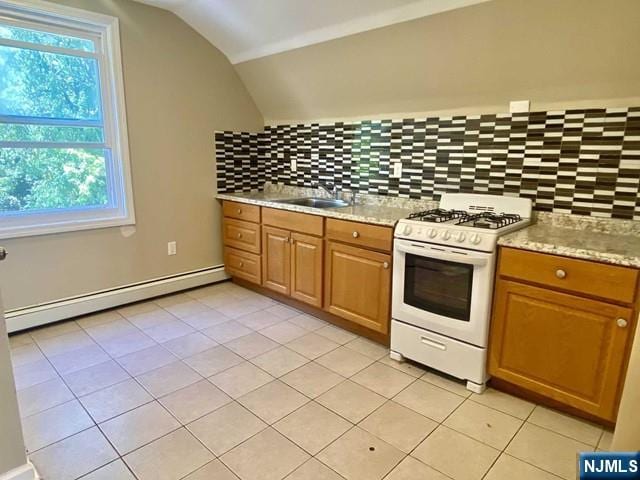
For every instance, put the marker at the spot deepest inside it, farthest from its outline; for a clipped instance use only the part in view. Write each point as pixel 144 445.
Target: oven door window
pixel 438 286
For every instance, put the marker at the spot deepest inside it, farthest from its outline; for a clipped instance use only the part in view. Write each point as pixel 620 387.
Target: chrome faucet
pixel 330 188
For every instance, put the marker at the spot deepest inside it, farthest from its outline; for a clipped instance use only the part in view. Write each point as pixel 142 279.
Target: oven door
pixel 443 289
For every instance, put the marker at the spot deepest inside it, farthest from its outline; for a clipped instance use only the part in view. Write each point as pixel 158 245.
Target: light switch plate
pixel 172 248
pixel 519 106
pixel 396 171
pixel 294 165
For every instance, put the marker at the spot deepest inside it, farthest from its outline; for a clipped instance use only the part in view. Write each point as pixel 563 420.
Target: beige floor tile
pixel 429 400
pixel 279 361
pixel 170 457
pixel 605 440
pixel 273 401
pixel 412 469
pixel 20 340
pixel 227 331
pixel 189 345
pixel 547 450
pixel 115 400
pixel 151 318
pixel 241 379
pixel 504 402
pixel 25 354
pixel 195 401
pixel 312 345
pixel 398 426
pixel 167 379
pixel 213 471
pixel 448 383
pixel 456 455
pixel 283 311
pixel 43 396
pixel 126 344
pixel 138 308
pixel 33 373
pixel 172 299
pixel 312 469
pixel 308 322
pixel 484 424
pixel 283 332
pixel 202 292
pixel 251 345
pixel 408 367
pixel 67 342
pixel 78 359
pixel 219 299
pixel 50 331
pixel 54 424
pixel 207 319
pixel 266 456
pixel 187 309
pixel 238 308
pixel 214 360
pixel 336 334
pixel 145 360
pixel 113 471
pixel 351 401
pixel 99 318
pixel 259 320
pixel 92 379
pixel 312 427
pixel 345 361
pixel 169 330
pixel 75 456
pixel 367 347
pixel 567 425
pixel 510 468
pixel 312 379
pixel 358 455
pixel 106 331
pixel 226 427
pixel 384 380
pixel 138 427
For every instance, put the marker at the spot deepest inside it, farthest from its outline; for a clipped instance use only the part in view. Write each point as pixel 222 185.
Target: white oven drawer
pixel 442 353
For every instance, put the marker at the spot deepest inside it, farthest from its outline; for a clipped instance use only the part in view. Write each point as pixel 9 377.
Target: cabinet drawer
pixel 242 211
pixel 242 235
pixel 242 264
pixel 579 276
pixel 297 222
pixel 372 236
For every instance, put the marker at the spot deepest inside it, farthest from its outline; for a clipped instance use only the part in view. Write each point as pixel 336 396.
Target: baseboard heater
pixel 33 316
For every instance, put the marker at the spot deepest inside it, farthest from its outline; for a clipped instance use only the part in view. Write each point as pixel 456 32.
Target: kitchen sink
pixel 316 202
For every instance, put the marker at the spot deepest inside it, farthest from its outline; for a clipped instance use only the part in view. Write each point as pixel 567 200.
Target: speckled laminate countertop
pixel 602 240
pixel 375 209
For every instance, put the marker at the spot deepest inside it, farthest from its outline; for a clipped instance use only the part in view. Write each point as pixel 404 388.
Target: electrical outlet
pixel 397 170
pixel 172 248
pixel 519 106
pixel 294 165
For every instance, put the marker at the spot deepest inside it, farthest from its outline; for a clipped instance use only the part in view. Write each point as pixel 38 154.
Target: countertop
pixel 603 240
pixel 375 209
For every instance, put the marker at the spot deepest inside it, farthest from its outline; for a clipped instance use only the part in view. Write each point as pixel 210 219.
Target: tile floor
pixel 222 383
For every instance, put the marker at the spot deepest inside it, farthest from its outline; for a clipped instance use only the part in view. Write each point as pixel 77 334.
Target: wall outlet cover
pixel 519 106
pixel 172 248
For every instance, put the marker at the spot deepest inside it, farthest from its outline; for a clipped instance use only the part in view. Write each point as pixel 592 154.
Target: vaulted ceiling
pixel 249 29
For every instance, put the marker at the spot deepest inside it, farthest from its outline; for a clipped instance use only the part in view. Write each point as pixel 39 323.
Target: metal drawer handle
pixel 239 211
pixel 242 264
pixel 355 234
pixel 239 235
pixel 385 265
pixel 433 343
pixel 561 273
pixel 3 253
pixel 621 322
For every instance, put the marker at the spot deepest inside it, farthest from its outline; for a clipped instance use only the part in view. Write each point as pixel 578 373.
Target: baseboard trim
pixel 28 317
pixel 24 472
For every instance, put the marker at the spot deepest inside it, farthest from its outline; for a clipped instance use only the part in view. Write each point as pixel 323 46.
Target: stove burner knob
pixel 433 233
pixel 460 237
pixel 446 235
pixel 407 229
pixel 475 239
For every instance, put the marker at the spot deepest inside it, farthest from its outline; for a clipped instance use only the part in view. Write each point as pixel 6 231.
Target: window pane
pixel 50 85
pixel 46 178
pixel 46 38
pixel 40 133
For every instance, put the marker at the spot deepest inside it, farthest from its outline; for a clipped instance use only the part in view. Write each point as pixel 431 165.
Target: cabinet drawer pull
pixel 239 211
pixel 355 234
pixel 241 264
pixel 385 265
pixel 433 343
pixel 621 322
pixel 561 273
pixel 239 235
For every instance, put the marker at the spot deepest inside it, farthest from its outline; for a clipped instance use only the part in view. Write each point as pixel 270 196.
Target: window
pixel 63 138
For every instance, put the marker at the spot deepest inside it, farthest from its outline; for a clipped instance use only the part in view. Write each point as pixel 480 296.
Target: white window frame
pixel 104 29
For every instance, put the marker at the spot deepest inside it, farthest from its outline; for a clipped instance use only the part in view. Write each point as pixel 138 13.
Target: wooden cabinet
pixel 242 235
pixel 242 264
pixel 358 285
pixel 241 238
pixel 276 263
pixel 562 342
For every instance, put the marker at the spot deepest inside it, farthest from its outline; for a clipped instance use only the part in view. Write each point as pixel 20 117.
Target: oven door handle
pixel 452 257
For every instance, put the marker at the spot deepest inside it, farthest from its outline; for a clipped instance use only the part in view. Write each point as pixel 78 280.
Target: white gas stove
pixel 444 262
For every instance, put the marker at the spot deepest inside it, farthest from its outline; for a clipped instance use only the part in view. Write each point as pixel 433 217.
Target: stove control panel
pixel 445 235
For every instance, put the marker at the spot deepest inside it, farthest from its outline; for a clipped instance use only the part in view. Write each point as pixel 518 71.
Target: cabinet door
pixel 276 265
pixel 306 269
pixel 358 285
pixel 564 347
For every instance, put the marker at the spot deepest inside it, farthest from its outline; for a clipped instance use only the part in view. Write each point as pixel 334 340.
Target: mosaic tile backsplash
pixel 574 161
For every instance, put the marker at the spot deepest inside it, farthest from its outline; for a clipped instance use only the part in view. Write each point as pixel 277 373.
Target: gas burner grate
pixel 437 215
pixel 489 220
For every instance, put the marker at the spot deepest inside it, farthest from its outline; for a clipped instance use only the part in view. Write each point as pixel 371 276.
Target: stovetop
pixel 486 220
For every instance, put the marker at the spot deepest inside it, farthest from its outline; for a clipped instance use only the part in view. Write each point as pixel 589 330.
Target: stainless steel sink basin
pixel 316 202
